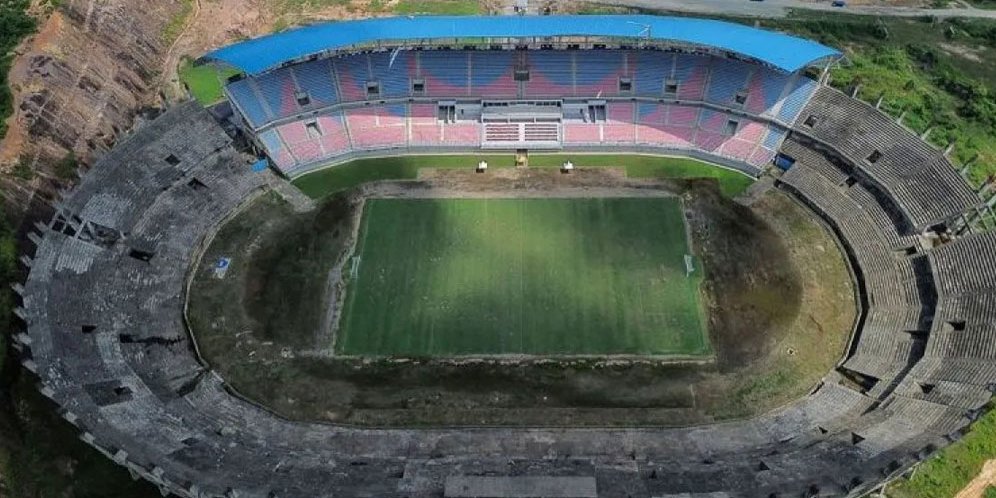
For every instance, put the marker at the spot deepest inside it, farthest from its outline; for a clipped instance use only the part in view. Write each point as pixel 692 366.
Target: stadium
pixel 656 206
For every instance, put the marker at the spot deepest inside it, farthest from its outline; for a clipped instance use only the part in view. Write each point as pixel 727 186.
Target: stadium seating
pixel 493 74
pixel 551 74
pixel 650 70
pixel 446 72
pixel 394 77
pixel 651 113
pixel 425 126
pixel 691 73
pixel 352 73
pixel 488 74
pixel 801 90
pixel 298 143
pixel 461 134
pixel 597 72
pixel 713 121
pixel 765 90
pixel 377 126
pixel 582 133
pixel 334 138
pixel 683 116
pixel 243 94
pixel 315 78
pixel 277 89
pixel 922 365
pixel 427 130
pixel 922 181
pixel 726 79
pixel 669 126
pixel 275 147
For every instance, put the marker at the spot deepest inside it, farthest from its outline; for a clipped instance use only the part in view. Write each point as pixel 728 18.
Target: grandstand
pixel 731 105
pixel 104 320
pixel 745 108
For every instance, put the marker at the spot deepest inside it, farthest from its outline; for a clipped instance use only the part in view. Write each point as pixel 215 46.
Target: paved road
pixel 779 8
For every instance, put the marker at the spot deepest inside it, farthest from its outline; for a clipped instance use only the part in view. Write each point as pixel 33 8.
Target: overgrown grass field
pixel 438 7
pixel 324 182
pixel 522 276
pixel 205 81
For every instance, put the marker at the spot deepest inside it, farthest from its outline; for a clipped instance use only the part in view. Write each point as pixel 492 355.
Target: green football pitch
pixel 452 277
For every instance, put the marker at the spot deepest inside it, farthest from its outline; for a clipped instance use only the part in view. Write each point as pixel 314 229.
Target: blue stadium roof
pixel 779 50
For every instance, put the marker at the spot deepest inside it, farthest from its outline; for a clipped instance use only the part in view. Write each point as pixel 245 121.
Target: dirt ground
pixel 216 23
pixel 780 311
pixel 985 479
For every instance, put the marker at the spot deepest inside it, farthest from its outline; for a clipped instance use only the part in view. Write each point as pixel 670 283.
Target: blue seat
pixel 245 99
pixel 315 78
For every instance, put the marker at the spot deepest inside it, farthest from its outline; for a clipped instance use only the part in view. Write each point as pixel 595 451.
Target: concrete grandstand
pixel 104 302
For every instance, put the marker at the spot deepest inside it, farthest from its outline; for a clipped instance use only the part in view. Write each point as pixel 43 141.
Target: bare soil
pixel 780 311
pixel 985 479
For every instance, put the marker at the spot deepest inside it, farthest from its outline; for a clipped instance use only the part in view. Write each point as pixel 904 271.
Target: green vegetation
pixel 47 459
pixel 746 260
pixel 291 6
pixel 954 467
pixel 731 183
pixel 293 12
pixel 22 169
pixel 8 272
pixel 990 492
pixel 984 4
pixel 205 81
pixel 15 24
pixel 447 7
pixel 522 276
pixel 940 73
pixel 178 22
pixel 323 183
pixel 65 168
pixel 283 273
pixel 588 8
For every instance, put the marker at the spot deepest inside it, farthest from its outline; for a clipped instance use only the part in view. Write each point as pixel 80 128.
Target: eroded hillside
pixel 93 65
pixel 78 83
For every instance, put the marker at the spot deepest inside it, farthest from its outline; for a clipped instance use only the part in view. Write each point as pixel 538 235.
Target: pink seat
pixel 582 133
pixel 426 134
pixel 619 133
pixel 708 141
pixel 738 149
pixel 374 127
pixel 694 87
pixel 293 133
pixel 462 134
pixel 713 121
pixel 680 115
pixel 761 157
pixel 619 112
pixel 751 132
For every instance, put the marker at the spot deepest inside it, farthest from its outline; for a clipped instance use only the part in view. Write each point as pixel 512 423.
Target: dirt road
pixel 780 8
pixel 977 488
